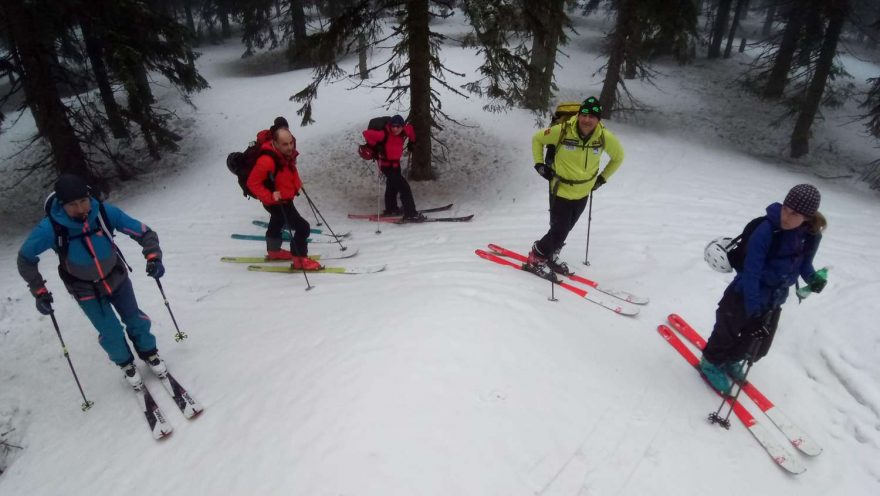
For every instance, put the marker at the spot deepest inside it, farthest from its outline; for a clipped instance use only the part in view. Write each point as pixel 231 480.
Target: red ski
pixel 798 438
pixel 598 298
pixel 623 295
pixel 777 452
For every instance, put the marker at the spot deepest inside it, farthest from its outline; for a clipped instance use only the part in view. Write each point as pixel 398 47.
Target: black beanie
pixel 280 122
pixel 803 199
pixel 591 106
pixel 70 187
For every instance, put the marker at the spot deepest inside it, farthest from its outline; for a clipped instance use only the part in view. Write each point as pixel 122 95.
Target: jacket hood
pixel 774 215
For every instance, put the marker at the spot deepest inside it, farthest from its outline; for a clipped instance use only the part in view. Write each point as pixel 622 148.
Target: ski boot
pixel 537 264
pixel 736 370
pixel 278 255
pixel 133 376
pixel 305 263
pixel 716 377
pixel 558 265
pixel 157 365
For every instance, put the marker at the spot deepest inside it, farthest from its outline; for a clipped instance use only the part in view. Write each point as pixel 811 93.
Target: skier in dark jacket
pixel 780 250
pixel 94 272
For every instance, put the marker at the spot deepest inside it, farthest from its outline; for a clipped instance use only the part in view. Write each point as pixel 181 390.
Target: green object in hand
pixel 816 284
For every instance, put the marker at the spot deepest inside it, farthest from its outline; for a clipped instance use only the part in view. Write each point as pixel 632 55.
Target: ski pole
pixel 378 193
pixel 86 403
pixel 318 213
pixel 312 206
pixel 290 232
pixel 715 417
pixel 589 222
pixel 180 335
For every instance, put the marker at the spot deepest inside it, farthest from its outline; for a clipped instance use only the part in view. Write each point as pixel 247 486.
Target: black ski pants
pixel 564 214
pixel 395 184
pixel 278 215
pixel 731 340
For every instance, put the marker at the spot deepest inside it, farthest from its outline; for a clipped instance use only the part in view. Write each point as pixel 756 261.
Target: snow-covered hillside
pixel 446 374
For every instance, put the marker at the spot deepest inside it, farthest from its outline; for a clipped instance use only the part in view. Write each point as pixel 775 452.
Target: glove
pixel 409 146
pixel 155 269
pixel 44 301
pixel 817 283
pixel 545 172
pixel 757 327
pixel 599 182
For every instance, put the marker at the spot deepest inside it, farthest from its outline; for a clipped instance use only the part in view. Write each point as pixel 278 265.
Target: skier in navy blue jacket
pixel 780 250
pixel 93 270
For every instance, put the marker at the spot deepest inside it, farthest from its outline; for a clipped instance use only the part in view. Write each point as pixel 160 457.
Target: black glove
pixel 599 182
pixel 44 302
pixel 409 146
pixel 545 172
pixel 756 327
pixel 155 269
pixel 817 284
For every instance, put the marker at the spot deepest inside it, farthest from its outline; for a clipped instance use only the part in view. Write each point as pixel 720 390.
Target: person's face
pixel 587 123
pixel 78 209
pixel 395 129
pixel 284 143
pixel 791 219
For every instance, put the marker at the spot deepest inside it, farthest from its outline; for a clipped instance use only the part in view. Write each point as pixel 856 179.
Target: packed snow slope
pixel 446 374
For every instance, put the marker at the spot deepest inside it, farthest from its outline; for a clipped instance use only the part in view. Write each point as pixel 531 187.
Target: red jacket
pixel 390 157
pixel 287 180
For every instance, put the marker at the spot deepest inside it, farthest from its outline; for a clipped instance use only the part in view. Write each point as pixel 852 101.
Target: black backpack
pixel 376 151
pixel 63 239
pixel 242 163
pixel 737 248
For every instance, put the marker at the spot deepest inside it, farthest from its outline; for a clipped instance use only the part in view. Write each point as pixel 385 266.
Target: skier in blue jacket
pixel 780 250
pixel 93 270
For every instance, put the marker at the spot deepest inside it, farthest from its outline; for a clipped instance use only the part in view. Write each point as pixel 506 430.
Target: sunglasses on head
pixel 591 109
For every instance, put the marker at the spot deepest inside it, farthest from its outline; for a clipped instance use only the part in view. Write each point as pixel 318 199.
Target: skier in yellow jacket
pixel 573 175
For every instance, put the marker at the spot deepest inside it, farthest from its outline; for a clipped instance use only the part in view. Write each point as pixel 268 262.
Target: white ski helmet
pixel 715 254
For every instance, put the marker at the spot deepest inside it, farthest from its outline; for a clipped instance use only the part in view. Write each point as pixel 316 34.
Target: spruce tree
pixel 836 12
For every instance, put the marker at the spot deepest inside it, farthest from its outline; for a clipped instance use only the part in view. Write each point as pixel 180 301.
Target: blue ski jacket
pixel 92 266
pixel 773 265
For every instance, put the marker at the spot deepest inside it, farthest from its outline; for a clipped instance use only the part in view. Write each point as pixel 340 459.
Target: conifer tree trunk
pixel 768 21
pixel 297 49
pixel 547 17
pixel 362 57
pixel 95 52
pixel 800 137
pixel 737 13
pixel 719 28
pixel 420 88
pixel 778 77
pixel 34 42
pixel 618 53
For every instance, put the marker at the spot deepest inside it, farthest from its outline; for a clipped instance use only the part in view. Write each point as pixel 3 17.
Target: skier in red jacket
pixel 394 135
pixel 275 181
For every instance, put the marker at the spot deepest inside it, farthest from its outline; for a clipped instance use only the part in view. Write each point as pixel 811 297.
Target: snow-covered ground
pixel 446 374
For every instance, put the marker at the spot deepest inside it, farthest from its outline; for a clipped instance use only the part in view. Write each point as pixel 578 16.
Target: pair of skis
pixel 336 255
pixel 617 301
pixel 156 419
pixel 796 436
pixel 398 219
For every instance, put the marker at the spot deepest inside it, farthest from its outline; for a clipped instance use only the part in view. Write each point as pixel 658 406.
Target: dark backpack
pixel 376 151
pixel 737 248
pixel 242 163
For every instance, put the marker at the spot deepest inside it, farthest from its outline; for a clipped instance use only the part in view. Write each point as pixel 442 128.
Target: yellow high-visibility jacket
pixel 577 160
